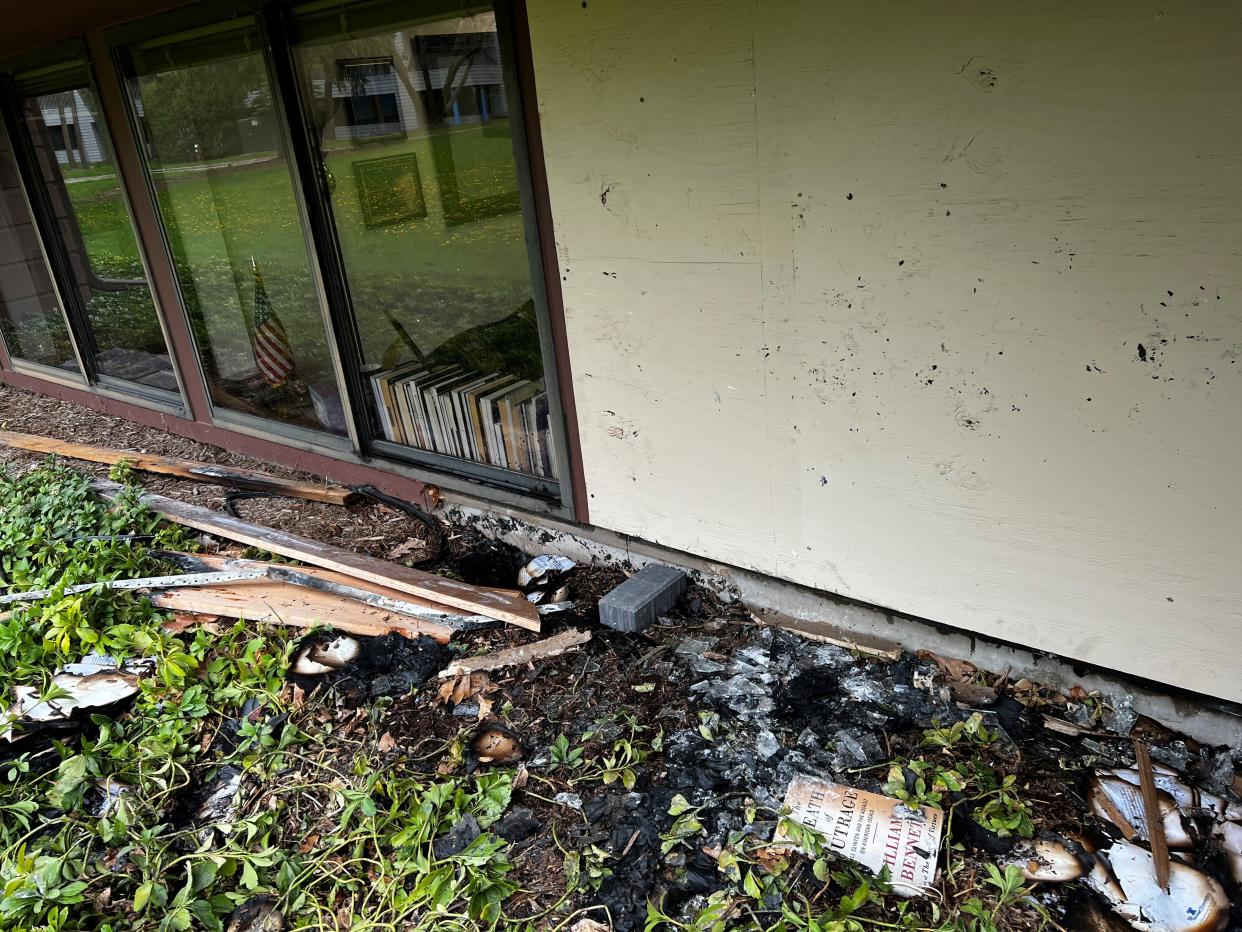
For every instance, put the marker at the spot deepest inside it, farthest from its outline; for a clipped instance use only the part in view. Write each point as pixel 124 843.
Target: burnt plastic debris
pixel 518 824
pixel 96 684
pixel 629 824
pixel 320 655
pixel 391 665
pixel 218 805
pixel 1049 860
pixel 457 839
pixel 543 579
pixel 496 745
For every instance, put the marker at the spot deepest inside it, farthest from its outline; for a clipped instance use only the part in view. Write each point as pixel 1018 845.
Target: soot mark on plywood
pixel 1186 342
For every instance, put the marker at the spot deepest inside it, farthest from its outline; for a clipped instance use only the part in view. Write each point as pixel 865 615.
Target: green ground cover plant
pixel 69 862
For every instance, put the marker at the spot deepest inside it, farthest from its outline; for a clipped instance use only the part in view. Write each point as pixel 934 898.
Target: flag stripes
pixel 273 354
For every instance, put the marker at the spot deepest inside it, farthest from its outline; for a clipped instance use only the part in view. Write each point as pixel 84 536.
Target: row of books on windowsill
pixel 497 419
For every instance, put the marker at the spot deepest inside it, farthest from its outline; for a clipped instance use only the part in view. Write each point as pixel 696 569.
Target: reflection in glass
pixel 412 123
pixel 225 194
pixel 30 315
pixel 74 156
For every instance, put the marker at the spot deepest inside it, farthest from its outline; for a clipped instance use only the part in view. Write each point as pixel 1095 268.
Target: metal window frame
pixel 172 25
pixel 55 254
pixel 273 18
pixel 64 376
pixel 555 492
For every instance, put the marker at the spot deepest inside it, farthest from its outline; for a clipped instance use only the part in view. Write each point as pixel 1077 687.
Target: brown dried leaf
pixel 445 694
pixel 411 545
pixel 462 687
pixel 953 669
pixel 773 858
pixel 308 843
pixel 184 621
pixel 971 694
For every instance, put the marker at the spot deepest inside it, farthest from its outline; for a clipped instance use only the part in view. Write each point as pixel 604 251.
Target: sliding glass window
pixel 412 127
pixel 204 107
pixel 31 318
pixel 120 334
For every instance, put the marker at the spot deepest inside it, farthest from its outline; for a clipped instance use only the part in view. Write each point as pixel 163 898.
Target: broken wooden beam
pixel 231 476
pixel 500 604
pixel 1152 815
pixel 516 656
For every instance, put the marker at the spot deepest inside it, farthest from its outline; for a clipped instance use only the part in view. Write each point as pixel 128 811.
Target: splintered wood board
pixel 500 604
pixel 217 563
pixel 546 649
pixel 282 603
pixel 185 469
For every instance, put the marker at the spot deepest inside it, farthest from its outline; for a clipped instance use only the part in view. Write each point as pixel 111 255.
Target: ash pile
pixel 807 772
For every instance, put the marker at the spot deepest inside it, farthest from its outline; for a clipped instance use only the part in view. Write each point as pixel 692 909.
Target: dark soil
pixel 366 526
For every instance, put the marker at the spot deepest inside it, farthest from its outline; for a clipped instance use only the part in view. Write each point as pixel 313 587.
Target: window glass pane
pixel 227 201
pixel 412 122
pixel 30 315
pixel 75 157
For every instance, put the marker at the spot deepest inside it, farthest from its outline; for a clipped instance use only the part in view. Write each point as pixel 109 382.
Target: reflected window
pixel 368 100
pixel 431 233
pixel 30 315
pixel 122 331
pixel 208 124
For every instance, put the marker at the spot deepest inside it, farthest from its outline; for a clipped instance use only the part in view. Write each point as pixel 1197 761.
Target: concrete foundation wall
pixel 934 306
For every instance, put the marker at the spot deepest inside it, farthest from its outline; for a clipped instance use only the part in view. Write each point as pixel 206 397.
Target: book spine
pixel 448 426
pixel 431 400
pixel 463 433
pixel 381 405
pixel 502 458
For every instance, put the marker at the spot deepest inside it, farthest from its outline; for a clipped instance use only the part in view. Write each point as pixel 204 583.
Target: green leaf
pixel 679 805
pixel 150 894
pixel 495 791
pixel 249 877
pixel 203 875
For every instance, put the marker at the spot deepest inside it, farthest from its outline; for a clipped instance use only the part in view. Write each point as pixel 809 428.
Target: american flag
pixel 272 352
